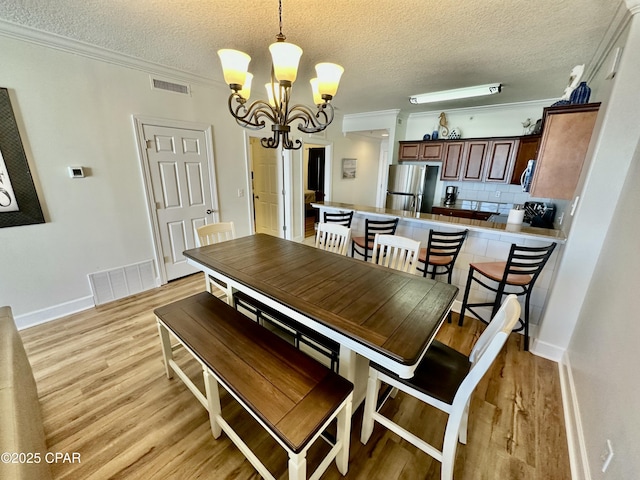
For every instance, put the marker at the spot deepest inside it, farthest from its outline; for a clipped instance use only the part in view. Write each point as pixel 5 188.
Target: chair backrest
pixel 382 227
pixel 333 237
pixel 215 233
pixel 445 244
pixel 342 218
pixel 527 261
pixel 488 347
pixel 396 252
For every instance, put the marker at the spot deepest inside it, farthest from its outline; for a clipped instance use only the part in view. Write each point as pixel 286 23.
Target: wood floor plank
pixel 104 394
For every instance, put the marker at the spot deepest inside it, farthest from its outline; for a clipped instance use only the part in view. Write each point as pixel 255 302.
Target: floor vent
pixel 159 84
pixel 121 282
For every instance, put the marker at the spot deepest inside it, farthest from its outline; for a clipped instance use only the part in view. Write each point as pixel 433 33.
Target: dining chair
pixel 333 237
pixel 216 233
pixel 342 218
pixel 518 274
pixel 396 252
pixel 442 251
pixel 364 245
pixel 444 379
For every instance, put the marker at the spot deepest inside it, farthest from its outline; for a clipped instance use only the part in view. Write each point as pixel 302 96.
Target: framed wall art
pixel 19 204
pixel 349 167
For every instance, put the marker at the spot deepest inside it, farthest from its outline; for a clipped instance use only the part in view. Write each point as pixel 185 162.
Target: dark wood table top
pixel 386 311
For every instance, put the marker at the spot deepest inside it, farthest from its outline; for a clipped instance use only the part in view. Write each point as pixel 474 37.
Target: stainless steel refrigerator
pixel 411 187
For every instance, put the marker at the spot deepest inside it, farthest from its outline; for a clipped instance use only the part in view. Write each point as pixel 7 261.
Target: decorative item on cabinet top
pixel 581 94
pixel 455 134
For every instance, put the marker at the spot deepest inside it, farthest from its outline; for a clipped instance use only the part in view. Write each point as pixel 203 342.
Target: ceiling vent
pixel 160 84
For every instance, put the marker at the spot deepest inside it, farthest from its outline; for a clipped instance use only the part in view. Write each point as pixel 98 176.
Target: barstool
pixel 521 270
pixel 442 250
pixel 364 245
pixel 342 218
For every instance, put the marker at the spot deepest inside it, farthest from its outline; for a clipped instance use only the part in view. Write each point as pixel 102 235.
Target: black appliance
pixel 539 214
pixel 451 194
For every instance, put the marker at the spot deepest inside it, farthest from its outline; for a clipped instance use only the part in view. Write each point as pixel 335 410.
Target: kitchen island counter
pixel 523 230
pixel 485 242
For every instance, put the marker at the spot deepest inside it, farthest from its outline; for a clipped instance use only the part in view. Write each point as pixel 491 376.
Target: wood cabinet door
pixel 431 151
pixel 409 151
pixel 452 161
pixel 500 160
pixel 565 139
pixel 527 150
pixel 474 160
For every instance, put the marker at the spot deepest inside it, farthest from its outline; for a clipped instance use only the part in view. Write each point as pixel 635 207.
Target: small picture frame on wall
pixel 19 204
pixel 349 167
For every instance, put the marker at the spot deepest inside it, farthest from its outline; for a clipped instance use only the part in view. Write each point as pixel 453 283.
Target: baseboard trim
pixel 51 313
pixel 578 459
pixel 546 350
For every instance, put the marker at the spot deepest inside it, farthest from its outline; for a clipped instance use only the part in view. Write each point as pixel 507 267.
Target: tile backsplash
pixel 487 192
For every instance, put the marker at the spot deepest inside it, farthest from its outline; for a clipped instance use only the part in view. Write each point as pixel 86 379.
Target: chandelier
pixel 278 110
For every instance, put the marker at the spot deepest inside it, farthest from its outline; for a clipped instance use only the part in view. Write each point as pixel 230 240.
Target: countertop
pixel 479 225
pixel 498 208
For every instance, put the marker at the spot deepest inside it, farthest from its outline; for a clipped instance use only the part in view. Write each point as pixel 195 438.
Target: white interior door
pixel 266 194
pixel 178 166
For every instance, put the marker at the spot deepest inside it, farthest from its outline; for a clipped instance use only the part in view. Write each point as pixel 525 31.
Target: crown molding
pixel 76 47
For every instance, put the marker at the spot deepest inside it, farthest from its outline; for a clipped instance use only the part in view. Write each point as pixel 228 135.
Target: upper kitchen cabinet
pixel 500 160
pixel 409 151
pixel 527 150
pixel 566 133
pixel 475 156
pixel 420 151
pixel 453 158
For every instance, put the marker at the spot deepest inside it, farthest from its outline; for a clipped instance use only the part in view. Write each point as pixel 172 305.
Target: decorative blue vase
pixel 434 135
pixel 581 94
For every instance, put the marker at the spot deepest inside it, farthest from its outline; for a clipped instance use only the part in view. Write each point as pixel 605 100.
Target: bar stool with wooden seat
pixel 518 274
pixel 216 233
pixel 442 251
pixel 341 218
pixel 396 252
pixel 364 245
pixel 445 379
pixel 333 237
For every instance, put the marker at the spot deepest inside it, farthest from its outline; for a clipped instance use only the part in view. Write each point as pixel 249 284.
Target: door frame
pixel 139 121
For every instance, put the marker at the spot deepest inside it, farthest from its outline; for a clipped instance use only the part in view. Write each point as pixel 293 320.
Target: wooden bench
pixel 291 395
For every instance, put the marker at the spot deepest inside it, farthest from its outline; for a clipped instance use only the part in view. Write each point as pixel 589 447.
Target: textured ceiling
pixel 390 49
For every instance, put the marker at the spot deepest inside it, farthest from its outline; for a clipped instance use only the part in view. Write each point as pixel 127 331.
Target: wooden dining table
pixel 374 313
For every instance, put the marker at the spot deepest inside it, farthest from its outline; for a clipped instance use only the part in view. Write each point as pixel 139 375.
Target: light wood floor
pixel 104 395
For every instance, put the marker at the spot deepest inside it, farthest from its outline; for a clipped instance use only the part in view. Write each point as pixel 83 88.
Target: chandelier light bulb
pixel 285 57
pixel 328 78
pixel 245 92
pixel 234 66
pixel 315 88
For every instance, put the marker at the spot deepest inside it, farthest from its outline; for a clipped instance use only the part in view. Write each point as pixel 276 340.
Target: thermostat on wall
pixel 76 172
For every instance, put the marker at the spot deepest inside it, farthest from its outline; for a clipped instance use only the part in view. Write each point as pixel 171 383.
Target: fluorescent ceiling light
pixel 456 93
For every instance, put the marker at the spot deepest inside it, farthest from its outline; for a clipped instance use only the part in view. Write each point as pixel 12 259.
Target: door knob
pixel 209 211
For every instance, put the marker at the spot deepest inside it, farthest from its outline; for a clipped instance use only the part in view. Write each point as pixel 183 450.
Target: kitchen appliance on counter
pixel 451 195
pixel 539 214
pixel 412 187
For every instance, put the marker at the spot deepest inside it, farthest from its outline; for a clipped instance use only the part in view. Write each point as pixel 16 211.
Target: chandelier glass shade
pixel 278 110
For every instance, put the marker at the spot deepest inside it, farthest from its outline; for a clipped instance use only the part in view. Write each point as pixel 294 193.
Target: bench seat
pixel 291 395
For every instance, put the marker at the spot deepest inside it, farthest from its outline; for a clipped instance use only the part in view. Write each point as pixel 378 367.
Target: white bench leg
pixel 298 466
pixel 373 385
pixel 167 351
pixel 344 436
pixel 213 401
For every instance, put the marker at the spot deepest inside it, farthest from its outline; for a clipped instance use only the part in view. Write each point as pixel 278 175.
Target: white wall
pixel 73 110
pixel 593 311
pixel 362 189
